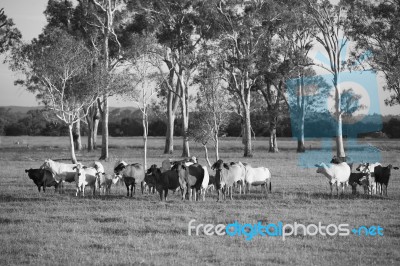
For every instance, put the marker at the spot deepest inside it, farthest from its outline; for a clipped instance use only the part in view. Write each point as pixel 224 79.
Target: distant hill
pixel 25 109
pixel 22 109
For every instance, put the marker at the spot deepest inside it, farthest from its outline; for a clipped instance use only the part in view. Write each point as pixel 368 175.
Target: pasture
pixel 61 229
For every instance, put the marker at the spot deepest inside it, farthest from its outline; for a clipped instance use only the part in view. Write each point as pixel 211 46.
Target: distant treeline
pixel 127 122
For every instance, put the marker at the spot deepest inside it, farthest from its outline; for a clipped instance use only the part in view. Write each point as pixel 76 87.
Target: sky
pixel 29 19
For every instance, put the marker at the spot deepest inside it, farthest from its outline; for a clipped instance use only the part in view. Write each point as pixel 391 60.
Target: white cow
pixel 104 182
pixel 370 170
pixel 225 176
pixel 85 176
pixel 98 166
pixel 259 176
pixel 241 182
pixel 61 172
pixel 336 173
pixel 131 174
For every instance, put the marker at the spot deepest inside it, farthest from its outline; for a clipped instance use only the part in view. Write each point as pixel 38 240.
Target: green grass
pixel 49 229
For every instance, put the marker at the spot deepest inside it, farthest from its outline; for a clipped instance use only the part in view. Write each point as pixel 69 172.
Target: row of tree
pixel 127 122
pixel 232 53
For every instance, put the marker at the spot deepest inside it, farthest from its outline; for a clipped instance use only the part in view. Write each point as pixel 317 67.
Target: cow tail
pixel 270 186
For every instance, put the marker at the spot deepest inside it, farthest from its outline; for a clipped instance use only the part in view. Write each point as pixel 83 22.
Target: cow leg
pixel 161 194
pixel 132 188
pixel 166 194
pixel 183 191
pixel 189 189
pixel 127 189
pixel 142 186
pixel 354 189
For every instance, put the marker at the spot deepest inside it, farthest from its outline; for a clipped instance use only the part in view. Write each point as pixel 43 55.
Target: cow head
pixel 150 170
pixel 154 171
pixel 217 166
pixel 363 168
pixel 119 167
pixel 78 167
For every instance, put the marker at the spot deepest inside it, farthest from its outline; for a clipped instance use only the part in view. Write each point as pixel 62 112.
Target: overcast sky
pixel 29 19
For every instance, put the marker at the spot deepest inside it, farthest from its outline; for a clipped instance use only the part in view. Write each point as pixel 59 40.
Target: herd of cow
pixel 193 179
pixel 374 178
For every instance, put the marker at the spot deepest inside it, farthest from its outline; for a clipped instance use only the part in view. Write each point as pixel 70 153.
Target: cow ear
pixel 226 166
pixel 74 168
pixel 85 167
pixel 396 168
pixel 213 166
pixel 317 165
pixel 26 171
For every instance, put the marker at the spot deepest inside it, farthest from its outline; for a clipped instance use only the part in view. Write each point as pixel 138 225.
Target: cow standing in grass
pixel 368 168
pixel 104 182
pixel 258 176
pixel 168 180
pixel 62 172
pixel 131 174
pixel 192 178
pixel 338 174
pixel 42 178
pixel 85 176
pixel 382 176
pixel 225 176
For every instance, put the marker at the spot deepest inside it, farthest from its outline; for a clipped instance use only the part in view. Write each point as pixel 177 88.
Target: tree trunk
pixel 206 155
pixel 216 146
pixel 339 133
pixel 90 136
pixel 104 117
pixel 145 133
pixel 95 130
pixel 169 140
pixel 273 145
pixel 77 136
pixel 71 143
pixel 185 127
pixel 301 117
pixel 247 133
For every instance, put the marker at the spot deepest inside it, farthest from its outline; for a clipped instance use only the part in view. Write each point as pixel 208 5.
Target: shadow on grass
pixel 301 196
pixel 8 198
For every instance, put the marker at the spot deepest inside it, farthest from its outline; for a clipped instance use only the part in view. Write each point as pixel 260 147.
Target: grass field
pixel 61 229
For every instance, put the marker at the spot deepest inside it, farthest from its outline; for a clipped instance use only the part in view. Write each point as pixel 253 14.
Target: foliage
pixel 10 36
pixel 375 28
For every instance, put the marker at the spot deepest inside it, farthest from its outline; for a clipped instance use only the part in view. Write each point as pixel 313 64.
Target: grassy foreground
pixel 49 229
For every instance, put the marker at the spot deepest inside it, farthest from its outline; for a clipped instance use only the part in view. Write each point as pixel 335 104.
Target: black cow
pixel 165 181
pixel 360 179
pixel 382 176
pixel 150 181
pixel 42 178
